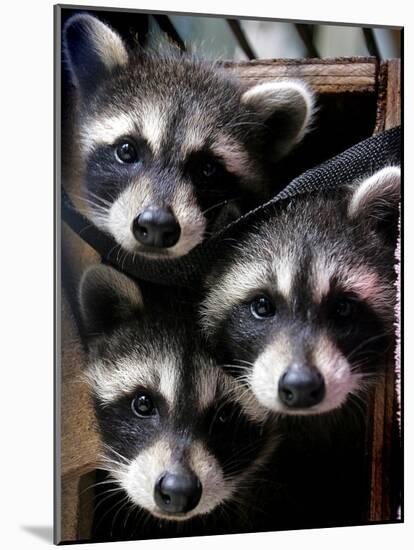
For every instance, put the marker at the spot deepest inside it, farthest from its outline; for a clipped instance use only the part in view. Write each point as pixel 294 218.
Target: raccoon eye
pixel 209 168
pixel 344 311
pixel 345 308
pixel 143 405
pixel 223 415
pixel 126 152
pixel 202 166
pixel 220 416
pixel 262 307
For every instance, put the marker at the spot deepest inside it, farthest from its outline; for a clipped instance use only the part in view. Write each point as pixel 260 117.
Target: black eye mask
pixel 364 158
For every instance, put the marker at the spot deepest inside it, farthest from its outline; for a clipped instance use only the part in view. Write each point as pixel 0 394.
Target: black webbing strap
pixel 358 161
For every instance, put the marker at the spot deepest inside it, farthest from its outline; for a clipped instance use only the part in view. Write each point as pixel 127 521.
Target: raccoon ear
pixel 286 108
pixel 375 201
pixel 107 298
pixel 92 49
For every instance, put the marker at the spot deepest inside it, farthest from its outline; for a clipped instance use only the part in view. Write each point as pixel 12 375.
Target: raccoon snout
pixel 177 492
pixel 301 386
pixel 156 227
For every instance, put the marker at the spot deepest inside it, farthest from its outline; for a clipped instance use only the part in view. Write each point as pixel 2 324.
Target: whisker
pixel 110 509
pixel 367 341
pixel 122 506
pixel 249 363
pixel 227 201
pixel 101 501
pixel 97 484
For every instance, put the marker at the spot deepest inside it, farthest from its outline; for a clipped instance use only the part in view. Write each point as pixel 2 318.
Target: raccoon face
pixel 171 147
pixel 305 309
pixel 171 422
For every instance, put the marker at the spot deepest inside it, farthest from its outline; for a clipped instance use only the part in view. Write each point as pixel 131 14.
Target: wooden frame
pixel 384 402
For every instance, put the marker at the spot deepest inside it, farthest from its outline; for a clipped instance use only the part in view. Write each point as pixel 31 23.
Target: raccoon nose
pixel 156 227
pixel 178 492
pixel 301 387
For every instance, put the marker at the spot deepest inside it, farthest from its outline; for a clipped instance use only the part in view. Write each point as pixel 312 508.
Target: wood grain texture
pixel 70 510
pixel 323 75
pixel 393 101
pixel 79 442
pixel 382 414
pixel 382 440
pixel 389 95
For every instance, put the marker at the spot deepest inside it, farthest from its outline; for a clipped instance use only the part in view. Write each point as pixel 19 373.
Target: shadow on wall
pixel 42 532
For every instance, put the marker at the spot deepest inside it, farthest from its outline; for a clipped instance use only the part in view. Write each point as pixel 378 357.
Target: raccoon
pixel 302 309
pixel 180 437
pixel 166 148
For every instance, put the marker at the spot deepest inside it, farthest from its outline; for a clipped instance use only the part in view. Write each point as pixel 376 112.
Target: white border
pixel 26 267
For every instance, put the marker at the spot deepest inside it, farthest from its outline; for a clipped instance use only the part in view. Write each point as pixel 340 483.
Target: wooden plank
pixel 389 95
pixel 382 413
pixel 393 105
pixel 77 507
pixel 80 445
pixel 324 75
pixel 86 498
pixel 69 519
pixel 383 402
pixel 79 442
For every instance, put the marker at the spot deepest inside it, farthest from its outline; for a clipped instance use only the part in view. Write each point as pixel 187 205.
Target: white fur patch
pixel 153 123
pixel 138 196
pixel 360 280
pixel 213 384
pixel 368 285
pixel 270 97
pixel 383 186
pixel 364 282
pixel 195 130
pixel 140 477
pixel 149 119
pixel 215 488
pixel 267 370
pixel 168 382
pixel 104 131
pixel 130 203
pixel 236 285
pixel 340 381
pixel 189 216
pixel 326 357
pixel 110 381
pixel 108 45
pixel 321 273
pixel 284 275
pixel 206 384
pixel 236 158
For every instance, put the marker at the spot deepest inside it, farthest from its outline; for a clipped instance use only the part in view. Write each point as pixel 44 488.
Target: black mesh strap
pixel 360 160
pixel 364 158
